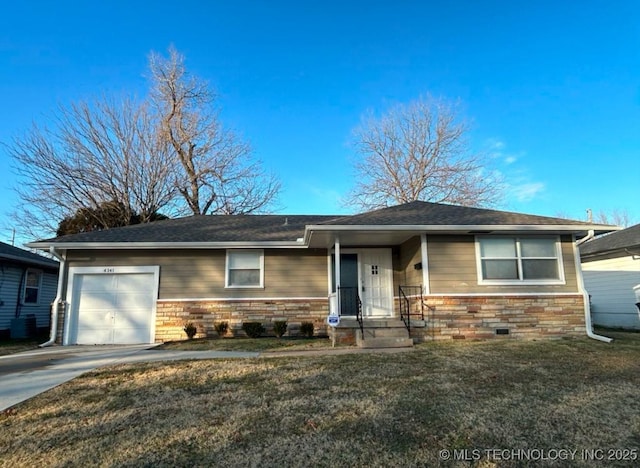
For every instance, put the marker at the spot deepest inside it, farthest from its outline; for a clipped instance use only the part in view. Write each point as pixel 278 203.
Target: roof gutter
pixel 462 228
pixel 583 291
pixel 47 245
pixel 30 262
pixel 55 305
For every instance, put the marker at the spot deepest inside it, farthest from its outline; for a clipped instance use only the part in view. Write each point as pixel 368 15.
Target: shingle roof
pixel 439 214
pixel 288 228
pixel 625 239
pixel 210 228
pixel 16 255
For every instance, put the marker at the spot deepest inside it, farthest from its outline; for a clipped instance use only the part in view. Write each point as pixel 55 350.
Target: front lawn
pixel 408 409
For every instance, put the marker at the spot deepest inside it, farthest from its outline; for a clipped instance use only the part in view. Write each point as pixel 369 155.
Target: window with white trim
pixel 505 260
pixel 245 269
pixel 32 284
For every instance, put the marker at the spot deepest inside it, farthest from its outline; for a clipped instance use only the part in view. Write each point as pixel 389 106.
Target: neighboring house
pixel 27 287
pixel 474 273
pixel 611 266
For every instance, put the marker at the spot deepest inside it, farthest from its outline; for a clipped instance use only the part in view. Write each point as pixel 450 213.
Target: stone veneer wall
pixel 171 316
pixel 526 317
pixel 62 316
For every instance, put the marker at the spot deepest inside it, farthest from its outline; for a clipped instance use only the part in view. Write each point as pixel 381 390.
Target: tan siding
pixel 404 271
pixel 453 268
pixel 200 273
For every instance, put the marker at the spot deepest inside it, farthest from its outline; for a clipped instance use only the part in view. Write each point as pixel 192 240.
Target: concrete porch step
pixel 383 323
pixel 418 323
pixel 390 342
pixel 383 333
pixel 391 322
pixel 395 332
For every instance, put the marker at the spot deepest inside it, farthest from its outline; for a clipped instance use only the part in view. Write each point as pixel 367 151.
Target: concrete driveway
pixel 25 375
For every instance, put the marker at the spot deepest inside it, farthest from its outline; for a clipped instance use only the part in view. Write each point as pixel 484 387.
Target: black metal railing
pixel 349 304
pixel 405 294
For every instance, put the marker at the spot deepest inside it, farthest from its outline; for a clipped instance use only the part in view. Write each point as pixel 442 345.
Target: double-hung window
pixel 245 269
pixel 509 260
pixel 32 283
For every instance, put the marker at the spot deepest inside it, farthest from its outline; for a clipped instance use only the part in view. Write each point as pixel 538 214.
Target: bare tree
pixel 617 217
pixel 215 171
pixel 418 151
pixel 94 153
pixel 110 162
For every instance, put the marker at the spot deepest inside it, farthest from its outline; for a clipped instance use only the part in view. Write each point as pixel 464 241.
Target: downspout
pixel 57 301
pixel 583 291
pixel 336 248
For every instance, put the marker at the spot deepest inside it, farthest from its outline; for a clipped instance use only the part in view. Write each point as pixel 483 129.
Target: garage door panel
pixel 137 300
pixel 131 318
pixel 133 283
pixel 97 283
pixel 126 336
pixel 92 318
pixel 94 336
pixel 90 300
pixel 113 308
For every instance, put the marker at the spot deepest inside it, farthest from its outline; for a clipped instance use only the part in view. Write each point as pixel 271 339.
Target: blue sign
pixel 333 320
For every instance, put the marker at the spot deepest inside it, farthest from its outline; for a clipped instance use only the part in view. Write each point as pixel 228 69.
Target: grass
pixel 17 346
pixel 248 344
pixel 348 410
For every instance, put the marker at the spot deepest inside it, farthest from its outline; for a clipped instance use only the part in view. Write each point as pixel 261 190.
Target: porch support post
pixel 425 264
pixel 336 248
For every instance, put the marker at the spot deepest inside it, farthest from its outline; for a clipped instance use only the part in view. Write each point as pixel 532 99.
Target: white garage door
pixel 112 308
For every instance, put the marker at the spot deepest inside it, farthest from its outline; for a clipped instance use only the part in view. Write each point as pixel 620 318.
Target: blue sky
pixel 552 88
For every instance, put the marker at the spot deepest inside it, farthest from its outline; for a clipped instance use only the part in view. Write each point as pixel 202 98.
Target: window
pixel 513 259
pixel 245 269
pixel 32 281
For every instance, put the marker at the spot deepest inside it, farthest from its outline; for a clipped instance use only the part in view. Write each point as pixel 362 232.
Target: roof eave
pixel 467 228
pixel 41 263
pixel 305 241
pixel 624 251
pixel 165 245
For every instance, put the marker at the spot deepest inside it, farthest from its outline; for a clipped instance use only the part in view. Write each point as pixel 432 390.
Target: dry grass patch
pixel 348 410
pixel 17 346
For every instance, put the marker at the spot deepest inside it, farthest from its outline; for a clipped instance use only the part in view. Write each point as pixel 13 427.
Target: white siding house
pixel 610 285
pixel 611 270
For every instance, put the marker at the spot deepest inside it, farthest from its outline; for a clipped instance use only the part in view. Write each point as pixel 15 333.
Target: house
pixel 27 289
pixel 447 271
pixel 611 266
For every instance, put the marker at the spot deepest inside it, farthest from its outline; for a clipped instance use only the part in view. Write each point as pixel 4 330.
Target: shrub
pixel 190 329
pixel 280 328
pixel 221 328
pixel 253 329
pixel 306 328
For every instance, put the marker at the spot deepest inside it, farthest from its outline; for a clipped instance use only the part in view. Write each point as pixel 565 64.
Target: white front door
pixel 376 274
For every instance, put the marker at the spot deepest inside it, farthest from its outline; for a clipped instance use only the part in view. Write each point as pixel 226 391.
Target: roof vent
pixel 286 221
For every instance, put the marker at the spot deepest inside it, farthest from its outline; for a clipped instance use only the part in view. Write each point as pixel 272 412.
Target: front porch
pixel 374 333
pixel 404 326
pixel 375 311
